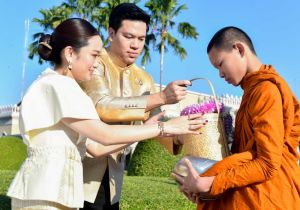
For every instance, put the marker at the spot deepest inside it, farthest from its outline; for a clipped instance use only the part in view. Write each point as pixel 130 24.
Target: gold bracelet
pixel 161 128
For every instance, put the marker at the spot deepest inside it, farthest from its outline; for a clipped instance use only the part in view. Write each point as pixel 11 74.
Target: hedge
pixel 150 158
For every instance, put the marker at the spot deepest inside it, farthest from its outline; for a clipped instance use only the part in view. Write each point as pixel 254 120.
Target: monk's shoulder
pixel 265 89
pixel 265 93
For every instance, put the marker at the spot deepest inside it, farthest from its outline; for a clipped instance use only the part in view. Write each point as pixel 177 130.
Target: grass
pixel 139 193
pixel 12 153
pixel 152 193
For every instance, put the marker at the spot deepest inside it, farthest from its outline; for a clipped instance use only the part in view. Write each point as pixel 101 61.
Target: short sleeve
pixel 53 98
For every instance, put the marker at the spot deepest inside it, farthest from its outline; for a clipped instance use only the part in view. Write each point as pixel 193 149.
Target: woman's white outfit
pixel 51 176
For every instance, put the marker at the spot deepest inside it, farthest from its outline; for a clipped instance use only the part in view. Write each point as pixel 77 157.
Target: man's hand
pixel 175 91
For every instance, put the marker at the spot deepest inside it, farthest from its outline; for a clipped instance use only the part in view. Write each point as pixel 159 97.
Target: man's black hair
pixel 127 11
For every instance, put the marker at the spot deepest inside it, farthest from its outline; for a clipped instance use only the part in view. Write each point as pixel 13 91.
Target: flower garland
pixel 204 108
pixel 210 107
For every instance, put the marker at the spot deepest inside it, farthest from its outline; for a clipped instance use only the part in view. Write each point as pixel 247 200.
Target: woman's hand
pixel 155 119
pixel 184 125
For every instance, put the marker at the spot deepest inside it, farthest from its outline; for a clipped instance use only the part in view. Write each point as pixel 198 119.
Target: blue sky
pixel 273 26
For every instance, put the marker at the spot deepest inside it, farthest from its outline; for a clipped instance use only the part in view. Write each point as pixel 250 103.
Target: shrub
pixel 5 180
pixel 150 158
pixel 12 153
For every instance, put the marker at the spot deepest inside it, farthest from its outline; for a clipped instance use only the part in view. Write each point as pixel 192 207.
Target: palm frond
pixel 158 48
pixel 146 58
pixel 178 10
pixel 150 38
pixel 171 24
pixel 180 51
pixel 176 46
pixel 37 35
pixel 187 30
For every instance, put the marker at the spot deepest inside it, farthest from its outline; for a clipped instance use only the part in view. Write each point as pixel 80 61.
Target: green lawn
pixel 155 193
pixel 139 193
pixel 12 153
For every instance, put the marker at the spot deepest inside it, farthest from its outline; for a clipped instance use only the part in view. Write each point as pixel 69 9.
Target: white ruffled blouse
pixel 52 170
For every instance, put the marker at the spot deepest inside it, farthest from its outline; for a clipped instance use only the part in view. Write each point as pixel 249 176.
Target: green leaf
pixel 187 30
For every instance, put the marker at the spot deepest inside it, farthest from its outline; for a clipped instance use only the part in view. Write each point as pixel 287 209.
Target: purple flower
pixel 206 107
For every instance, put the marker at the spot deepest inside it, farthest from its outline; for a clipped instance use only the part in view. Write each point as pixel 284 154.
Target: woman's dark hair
pixel 127 11
pixel 74 32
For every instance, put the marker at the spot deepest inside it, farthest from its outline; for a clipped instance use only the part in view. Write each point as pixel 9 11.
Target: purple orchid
pixel 206 107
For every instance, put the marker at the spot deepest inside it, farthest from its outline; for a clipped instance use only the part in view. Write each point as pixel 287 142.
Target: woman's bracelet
pixel 161 128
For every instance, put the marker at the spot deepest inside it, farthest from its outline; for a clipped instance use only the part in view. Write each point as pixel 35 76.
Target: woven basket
pixel 211 143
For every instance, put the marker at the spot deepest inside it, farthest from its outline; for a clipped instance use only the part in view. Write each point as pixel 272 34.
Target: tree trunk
pixel 162 51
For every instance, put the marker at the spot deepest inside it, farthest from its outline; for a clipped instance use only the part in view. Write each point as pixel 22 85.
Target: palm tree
pixel 102 15
pixel 89 10
pixel 95 11
pixel 51 18
pixel 163 13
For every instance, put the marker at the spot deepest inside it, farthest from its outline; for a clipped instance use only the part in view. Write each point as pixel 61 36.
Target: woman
pixel 56 117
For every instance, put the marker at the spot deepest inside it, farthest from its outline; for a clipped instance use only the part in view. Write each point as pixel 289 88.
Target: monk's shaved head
pixel 225 38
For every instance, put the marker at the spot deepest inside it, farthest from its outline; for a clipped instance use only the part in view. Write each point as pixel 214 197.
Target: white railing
pixel 9 110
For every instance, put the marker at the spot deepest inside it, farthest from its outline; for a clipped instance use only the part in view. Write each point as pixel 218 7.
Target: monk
pixel 263 170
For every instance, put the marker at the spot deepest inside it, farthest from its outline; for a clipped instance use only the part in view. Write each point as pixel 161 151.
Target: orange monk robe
pixel 263 172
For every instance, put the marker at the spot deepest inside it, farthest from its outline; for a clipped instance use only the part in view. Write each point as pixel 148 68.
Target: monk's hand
pixel 175 91
pixel 193 183
pixel 188 184
pixel 193 197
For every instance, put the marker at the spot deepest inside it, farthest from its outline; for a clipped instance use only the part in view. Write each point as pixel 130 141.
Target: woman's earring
pixel 70 65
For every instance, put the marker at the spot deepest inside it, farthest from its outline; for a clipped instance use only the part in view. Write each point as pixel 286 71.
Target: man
pixel 123 93
pixel 263 172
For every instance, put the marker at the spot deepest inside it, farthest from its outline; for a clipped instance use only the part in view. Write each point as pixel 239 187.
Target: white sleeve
pixel 48 101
